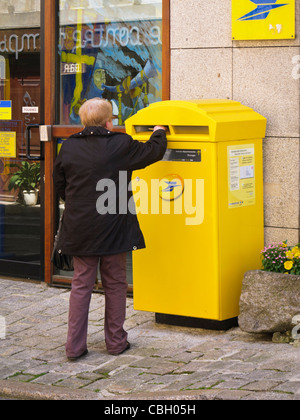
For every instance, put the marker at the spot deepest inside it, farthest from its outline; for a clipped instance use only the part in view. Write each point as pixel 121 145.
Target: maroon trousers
pixel 113 277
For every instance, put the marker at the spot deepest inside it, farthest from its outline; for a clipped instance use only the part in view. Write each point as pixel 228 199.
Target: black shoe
pixel 126 348
pixel 73 359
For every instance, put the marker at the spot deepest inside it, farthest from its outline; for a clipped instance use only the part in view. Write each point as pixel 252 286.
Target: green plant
pixel 281 258
pixel 26 178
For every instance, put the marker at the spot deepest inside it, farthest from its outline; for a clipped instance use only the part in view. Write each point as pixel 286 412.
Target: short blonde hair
pixel 95 112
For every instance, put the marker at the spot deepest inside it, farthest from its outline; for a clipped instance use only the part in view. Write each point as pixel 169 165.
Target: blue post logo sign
pixel 263 19
pixel 171 187
pixel 262 10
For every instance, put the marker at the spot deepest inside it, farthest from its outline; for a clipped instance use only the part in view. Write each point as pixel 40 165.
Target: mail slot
pixel 200 209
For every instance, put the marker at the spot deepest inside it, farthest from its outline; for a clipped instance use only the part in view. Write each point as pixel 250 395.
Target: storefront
pixel 54 55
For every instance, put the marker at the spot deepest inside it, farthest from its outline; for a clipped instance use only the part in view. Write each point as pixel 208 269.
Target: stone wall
pixel 206 63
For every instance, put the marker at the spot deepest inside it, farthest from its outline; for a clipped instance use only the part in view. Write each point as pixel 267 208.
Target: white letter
pixel 156 36
pixel 138 204
pixel 160 409
pixel 296 69
pixel 2 328
pixel 137 41
pixel 108 196
pixel 188 202
pixel 123 192
pixel 77 39
pixel 17 50
pixel 155 183
pixel 28 38
pixel 178 205
pixel 150 410
pixel 123 36
pixel 3 47
pixel 113 32
pixel 2 68
pixel 192 409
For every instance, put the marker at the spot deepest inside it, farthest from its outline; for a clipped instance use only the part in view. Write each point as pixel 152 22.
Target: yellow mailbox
pixel 200 209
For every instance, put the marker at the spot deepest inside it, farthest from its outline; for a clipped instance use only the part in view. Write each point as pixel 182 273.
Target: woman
pixel 97 225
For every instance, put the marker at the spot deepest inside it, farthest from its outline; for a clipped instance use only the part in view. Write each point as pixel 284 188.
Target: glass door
pixel 112 50
pixel 21 248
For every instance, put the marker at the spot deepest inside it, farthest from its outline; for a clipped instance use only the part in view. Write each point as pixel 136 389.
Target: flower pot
pixel 269 302
pixel 30 197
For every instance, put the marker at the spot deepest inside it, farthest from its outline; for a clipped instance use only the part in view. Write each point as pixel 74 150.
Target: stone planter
pixel 269 302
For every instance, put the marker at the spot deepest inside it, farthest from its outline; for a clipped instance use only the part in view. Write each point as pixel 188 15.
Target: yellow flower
pixel 296 251
pixel 284 245
pixel 288 265
pixel 289 255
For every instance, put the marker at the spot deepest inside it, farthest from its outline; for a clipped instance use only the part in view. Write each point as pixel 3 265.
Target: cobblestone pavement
pixel 164 362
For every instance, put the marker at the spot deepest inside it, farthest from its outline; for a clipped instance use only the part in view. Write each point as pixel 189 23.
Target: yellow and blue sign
pixel 5 110
pixel 263 19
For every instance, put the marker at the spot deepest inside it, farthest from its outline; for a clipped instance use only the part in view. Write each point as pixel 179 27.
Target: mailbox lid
pixel 208 120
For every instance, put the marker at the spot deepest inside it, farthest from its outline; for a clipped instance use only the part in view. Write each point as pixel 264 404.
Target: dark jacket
pixel 86 158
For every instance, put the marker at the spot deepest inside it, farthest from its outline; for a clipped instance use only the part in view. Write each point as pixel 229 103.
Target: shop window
pixel 109 49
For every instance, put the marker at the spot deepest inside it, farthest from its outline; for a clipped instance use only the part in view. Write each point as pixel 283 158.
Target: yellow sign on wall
pixel 8 144
pixel 263 19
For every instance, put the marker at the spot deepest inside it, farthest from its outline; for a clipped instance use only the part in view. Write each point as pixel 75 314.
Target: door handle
pixel 28 138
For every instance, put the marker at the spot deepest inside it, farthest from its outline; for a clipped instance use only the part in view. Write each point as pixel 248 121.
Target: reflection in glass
pixel 110 49
pixel 20 218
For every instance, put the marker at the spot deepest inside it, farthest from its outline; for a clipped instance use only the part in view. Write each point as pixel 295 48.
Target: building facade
pixel 262 74
pixel 56 54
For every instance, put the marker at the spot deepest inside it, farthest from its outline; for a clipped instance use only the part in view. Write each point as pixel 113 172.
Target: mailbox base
pixel 186 321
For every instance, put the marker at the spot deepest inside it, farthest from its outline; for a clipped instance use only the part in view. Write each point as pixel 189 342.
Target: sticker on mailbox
pixel 241 176
pixel 171 187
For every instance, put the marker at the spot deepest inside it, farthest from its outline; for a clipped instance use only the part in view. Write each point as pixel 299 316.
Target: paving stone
pixel 192 366
pixel 22 377
pixel 290 387
pixel 91 376
pixel 50 378
pixel 232 384
pixel 164 367
pixel 100 385
pixel 163 360
pixel 268 396
pixel 8 371
pixel 261 385
pixel 73 383
pixel 38 370
pixel 233 395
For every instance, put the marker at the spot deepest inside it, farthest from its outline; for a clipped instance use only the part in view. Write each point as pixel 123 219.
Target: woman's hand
pixel 159 127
